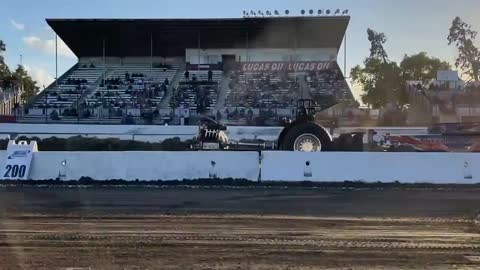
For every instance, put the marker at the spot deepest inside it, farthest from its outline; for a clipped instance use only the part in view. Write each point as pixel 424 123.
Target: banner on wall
pixel 286 66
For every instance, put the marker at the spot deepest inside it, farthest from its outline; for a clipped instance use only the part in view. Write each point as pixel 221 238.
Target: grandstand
pixel 263 90
pixel 198 92
pixel 10 99
pixel 167 69
pixel 446 99
pixel 280 89
pixel 132 86
pixel 66 91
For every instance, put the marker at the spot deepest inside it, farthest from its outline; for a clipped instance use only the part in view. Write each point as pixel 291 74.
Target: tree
pixel 376 45
pixel 3 48
pixel 380 78
pixel 30 89
pixel 19 77
pixel 463 37
pixel 4 71
pixel 421 67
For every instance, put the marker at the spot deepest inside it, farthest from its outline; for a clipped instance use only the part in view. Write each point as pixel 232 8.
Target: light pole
pixel 46 105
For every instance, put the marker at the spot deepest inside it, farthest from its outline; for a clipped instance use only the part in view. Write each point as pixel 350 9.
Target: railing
pixel 32 101
pixel 90 89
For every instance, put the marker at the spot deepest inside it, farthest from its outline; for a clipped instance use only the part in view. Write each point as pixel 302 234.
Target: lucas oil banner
pixel 286 66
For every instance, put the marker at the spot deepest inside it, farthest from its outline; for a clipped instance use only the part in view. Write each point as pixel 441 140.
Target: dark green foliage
pixel 346 142
pixel 421 67
pixel 19 78
pixel 384 82
pixel 79 143
pixel 30 88
pixel 380 78
pixel 463 38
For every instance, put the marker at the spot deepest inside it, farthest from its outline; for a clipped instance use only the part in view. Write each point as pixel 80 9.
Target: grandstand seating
pixel 132 86
pixel 197 92
pixel 119 90
pixel 282 89
pixel 328 87
pixel 70 88
pixel 262 90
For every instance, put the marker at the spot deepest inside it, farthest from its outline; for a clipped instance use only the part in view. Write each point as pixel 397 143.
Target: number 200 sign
pixel 18 161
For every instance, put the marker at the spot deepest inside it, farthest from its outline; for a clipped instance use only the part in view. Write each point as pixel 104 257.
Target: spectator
pixel 250 114
pixel 86 114
pixel 129 119
pixel 187 75
pixel 92 65
pixel 166 81
pixel 54 115
pixel 210 75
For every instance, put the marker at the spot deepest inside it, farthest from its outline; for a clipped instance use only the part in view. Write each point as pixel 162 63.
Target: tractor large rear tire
pixel 310 133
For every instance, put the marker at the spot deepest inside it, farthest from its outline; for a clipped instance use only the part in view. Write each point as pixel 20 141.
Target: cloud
pixel 17 25
pixel 48 46
pixel 39 75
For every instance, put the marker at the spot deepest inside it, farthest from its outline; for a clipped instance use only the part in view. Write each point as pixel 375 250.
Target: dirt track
pixel 150 228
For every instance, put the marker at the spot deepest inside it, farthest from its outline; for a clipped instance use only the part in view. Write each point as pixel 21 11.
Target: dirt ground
pixel 237 228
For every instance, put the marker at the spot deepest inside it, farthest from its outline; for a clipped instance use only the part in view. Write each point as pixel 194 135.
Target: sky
pixel 411 26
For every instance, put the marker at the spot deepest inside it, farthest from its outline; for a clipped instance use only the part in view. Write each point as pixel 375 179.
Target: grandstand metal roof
pixel 170 37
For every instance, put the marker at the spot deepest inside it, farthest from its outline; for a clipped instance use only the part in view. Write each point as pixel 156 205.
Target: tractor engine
pixel 211 135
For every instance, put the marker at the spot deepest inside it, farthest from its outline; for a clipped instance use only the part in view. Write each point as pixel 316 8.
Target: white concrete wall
pixel 437 168
pixel 372 167
pixel 144 165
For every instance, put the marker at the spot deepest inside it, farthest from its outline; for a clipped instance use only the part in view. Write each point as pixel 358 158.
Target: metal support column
pixel 104 60
pixel 198 64
pixel 56 59
pixel 345 56
pixel 151 52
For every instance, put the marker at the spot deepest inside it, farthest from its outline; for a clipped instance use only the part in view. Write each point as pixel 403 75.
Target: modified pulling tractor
pixel 302 134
